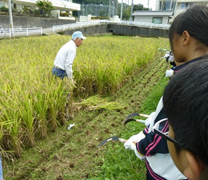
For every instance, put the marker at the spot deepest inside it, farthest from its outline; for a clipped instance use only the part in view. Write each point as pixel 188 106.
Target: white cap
pixel 78 34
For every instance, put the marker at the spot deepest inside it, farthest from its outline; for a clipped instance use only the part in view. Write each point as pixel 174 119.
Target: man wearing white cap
pixel 66 55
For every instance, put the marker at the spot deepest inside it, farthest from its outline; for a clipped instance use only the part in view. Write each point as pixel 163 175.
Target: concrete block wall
pixel 29 22
pixel 121 30
pixel 137 31
pixel 92 30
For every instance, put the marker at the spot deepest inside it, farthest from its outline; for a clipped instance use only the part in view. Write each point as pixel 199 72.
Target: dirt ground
pixel 72 154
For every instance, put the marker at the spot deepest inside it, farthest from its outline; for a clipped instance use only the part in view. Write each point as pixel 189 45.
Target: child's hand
pixel 130 145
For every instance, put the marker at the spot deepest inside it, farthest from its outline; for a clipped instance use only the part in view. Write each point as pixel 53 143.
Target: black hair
pixel 186 105
pixel 195 21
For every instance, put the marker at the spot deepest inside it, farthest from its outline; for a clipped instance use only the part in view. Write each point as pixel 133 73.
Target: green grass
pixel 122 164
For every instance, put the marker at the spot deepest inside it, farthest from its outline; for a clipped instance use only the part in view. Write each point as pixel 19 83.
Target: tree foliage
pixel 126 7
pixel 126 13
pixel 94 1
pixel 45 6
pixel 139 7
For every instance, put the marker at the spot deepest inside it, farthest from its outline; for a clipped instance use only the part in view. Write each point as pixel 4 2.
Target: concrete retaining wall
pixel 29 22
pixel 92 30
pixel 136 31
pixel 121 30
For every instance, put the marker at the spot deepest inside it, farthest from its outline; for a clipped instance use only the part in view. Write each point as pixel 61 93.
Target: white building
pixel 177 6
pixel 58 5
pixel 166 10
pixel 156 17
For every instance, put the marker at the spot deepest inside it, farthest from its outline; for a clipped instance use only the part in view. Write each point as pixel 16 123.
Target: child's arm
pixel 131 144
pixel 151 144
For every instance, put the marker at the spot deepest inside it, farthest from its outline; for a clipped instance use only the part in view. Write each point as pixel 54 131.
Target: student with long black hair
pixel 189 43
pixel 185 103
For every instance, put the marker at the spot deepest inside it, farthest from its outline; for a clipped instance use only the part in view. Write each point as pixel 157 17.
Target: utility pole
pixel 148 4
pixel 121 9
pixel 132 6
pixel 109 9
pixel 171 2
pixel 10 18
pixel 117 8
pixel 113 7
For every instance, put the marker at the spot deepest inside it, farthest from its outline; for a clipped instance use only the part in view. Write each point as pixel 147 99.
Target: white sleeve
pixel 150 119
pixel 158 109
pixel 69 62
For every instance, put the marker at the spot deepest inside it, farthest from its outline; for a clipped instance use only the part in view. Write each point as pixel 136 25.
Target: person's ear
pixel 186 37
pixel 194 168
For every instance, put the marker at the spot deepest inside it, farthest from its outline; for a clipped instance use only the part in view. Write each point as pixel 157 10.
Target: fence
pixel 15 32
pixel 7 32
pixel 143 24
pixel 93 23
pixel 97 10
pixel 74 25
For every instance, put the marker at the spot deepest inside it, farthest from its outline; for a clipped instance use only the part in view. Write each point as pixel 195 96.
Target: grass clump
pixel 98 103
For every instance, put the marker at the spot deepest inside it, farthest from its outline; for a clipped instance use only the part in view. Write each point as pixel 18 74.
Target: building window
pixel 157 20
pixel 2 4
pixel 166 5
pixel 186 5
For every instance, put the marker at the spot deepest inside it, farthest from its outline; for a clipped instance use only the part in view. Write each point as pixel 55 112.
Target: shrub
pixel 4 9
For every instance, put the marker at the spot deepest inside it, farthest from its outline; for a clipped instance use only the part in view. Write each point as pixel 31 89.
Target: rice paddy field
pixel 114 75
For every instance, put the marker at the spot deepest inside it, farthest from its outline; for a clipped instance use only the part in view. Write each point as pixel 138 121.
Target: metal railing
pixel 15 32
pixel 141 24
pixel 97 22
pixel 74 25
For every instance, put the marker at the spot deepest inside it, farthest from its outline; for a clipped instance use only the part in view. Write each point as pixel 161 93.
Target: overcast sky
pixel 144 2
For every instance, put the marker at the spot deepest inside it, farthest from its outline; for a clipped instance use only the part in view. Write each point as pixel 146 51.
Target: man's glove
pixel 72 83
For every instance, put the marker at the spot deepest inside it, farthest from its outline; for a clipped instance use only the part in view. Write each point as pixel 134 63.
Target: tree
pixel 126 13
pixel 102 13
pixel 138 7
pixel 106 2
pixel 45 6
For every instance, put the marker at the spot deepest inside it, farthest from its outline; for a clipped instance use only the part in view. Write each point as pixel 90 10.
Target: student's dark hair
pixel 194 20
pixel 186 105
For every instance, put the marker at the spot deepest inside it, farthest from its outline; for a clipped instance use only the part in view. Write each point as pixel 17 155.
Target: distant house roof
pixel 153 13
